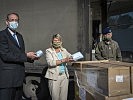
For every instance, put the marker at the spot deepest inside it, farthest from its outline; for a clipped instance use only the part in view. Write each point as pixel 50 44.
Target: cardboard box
pixel 79 64
pixel 79 67
pixel 128 99
pixel 110 80
pixel 82 93
pixel 131 79
pixel 131 71
pixel 99 96
pixel 106 78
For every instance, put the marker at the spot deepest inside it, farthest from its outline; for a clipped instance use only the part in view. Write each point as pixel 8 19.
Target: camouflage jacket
pixel 105 51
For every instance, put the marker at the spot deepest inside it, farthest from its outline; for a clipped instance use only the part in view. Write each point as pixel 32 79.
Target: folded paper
pixel 39 53
pixel 76 56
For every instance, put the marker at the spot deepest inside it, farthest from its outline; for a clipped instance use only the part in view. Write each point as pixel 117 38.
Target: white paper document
pixel 128 99
pixel 76 56
pixel 39 53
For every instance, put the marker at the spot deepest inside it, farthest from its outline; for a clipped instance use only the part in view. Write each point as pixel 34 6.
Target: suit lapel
pixel 12 39
pixel 56 53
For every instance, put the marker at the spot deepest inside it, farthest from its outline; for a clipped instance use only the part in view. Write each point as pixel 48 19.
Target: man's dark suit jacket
pixel 12 58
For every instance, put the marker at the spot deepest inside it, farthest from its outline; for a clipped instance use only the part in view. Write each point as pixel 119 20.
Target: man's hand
pixel 32 56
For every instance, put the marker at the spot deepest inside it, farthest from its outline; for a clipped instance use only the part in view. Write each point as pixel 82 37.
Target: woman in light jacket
pixel 57 73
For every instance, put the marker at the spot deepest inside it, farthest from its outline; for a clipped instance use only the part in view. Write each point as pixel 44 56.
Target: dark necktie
pixel 15 37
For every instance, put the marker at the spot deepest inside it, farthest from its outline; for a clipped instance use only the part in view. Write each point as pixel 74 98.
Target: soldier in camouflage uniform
pixel 108 49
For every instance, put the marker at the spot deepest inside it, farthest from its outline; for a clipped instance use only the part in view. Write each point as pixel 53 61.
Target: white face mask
pixel 13 25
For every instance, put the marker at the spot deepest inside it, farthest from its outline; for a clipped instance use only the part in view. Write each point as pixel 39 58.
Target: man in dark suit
pixel 12 58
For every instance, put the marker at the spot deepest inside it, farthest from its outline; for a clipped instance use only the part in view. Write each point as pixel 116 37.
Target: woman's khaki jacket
pixel 53 69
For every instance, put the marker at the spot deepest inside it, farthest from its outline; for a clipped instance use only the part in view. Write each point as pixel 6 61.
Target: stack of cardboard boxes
pixel 103 80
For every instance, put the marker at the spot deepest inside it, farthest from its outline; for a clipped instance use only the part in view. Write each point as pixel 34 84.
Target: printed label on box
pixel 128 99
pixel 119 78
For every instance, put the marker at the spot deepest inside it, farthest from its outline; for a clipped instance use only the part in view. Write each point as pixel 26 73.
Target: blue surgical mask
pixel 13 25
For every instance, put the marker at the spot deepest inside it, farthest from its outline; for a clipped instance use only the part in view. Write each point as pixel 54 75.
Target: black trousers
pixel 14 93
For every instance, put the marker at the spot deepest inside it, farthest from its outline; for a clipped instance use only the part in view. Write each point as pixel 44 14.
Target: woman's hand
pixel 67 59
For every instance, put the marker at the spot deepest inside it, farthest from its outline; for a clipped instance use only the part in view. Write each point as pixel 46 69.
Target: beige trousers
pixel 59 88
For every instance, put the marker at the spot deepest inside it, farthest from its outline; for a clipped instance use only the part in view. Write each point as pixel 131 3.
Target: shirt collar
pixel 61 49
pixel 12 33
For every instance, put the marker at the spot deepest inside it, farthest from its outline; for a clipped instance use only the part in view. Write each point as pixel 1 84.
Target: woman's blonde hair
pixel 57 36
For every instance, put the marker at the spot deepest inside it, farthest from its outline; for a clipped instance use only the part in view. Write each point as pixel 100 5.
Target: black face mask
pixel 107 38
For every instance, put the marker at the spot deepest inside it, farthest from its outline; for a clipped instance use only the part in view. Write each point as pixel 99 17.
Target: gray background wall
pixel 40 19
